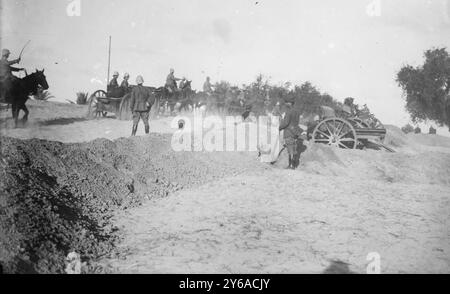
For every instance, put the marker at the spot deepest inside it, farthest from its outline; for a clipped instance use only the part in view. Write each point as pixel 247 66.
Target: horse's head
pixel 40 79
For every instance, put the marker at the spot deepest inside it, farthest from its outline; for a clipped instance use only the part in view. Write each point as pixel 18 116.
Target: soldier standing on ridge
pixel 292 133
pixel 140 104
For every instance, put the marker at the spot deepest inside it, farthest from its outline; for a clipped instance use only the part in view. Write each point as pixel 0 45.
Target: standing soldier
pixel 171 81
pixel 292 133
pixel 140 104
pixel 6 76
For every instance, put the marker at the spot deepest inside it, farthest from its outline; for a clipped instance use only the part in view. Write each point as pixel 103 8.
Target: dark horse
pixel 19 91
pixel 181 98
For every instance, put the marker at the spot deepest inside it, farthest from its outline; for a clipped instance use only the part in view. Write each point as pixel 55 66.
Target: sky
pixel 345 48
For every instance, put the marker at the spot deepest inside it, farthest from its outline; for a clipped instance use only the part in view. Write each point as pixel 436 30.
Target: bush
pixel 43 95
pixel 408 129
pixel 82 98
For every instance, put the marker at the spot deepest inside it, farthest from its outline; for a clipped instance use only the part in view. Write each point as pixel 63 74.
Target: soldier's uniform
pixel 291 134
pixel 140 103
pixel 171 82
pixel 113 83
pixel 6 77
pixel 207 87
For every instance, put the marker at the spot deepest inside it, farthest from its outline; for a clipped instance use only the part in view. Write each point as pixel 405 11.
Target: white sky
pixel 337 45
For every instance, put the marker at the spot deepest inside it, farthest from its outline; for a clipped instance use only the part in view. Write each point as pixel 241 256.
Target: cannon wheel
pixel 335 132
pixel 124 108
pixel 93 101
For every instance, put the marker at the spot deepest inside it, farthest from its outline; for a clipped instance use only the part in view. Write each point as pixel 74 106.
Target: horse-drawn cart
pixel 346 131
pixel 101 103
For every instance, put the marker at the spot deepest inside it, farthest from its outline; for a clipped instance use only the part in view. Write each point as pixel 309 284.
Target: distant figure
pixel 292 132
pixel 6 77
pixel 124 85
pixel 417 130
pixel 349 107
pixel 171 81
pixel 140 104
pixel 113 84
pixel 207 87
pixel 182 83
pixel 432 131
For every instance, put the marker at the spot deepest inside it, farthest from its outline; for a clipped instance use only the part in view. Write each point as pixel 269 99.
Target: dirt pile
pixel 56 197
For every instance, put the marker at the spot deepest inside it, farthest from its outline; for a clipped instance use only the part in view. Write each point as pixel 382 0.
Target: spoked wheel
pixel 335 132
pixel 94 109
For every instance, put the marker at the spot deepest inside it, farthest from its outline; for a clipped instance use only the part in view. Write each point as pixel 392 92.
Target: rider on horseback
pixel 7 79
pixel 171 82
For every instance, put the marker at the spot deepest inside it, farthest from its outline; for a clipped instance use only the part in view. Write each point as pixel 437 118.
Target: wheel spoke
pixel 322 133
pixel 347 140
pixel 326 124
pixel 321 140
pixel 340 129
pixel 344 146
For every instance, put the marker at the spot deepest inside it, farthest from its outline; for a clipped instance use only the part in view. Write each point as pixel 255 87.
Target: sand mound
pixel 57 198
pixel 430 140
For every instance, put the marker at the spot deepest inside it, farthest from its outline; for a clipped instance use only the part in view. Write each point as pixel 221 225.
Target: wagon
pixel 101 103
pixel 347 132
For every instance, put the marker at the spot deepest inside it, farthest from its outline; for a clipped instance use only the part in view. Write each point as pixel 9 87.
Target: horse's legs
pixel 25 109
pixel 15 114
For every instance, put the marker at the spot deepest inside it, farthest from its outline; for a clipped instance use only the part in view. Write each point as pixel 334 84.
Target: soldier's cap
pixel 5 52
pixel 116 73
pixel 139 80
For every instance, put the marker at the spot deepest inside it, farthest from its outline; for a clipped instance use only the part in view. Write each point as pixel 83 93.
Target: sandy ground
pixel 340 205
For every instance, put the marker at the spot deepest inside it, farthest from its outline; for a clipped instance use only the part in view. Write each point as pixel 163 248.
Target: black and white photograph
pixel 225 137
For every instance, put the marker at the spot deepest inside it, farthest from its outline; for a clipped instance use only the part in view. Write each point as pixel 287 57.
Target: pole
pixel 109 62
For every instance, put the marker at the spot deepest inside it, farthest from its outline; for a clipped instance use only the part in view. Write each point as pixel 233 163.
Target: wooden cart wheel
pixel 335 132
pixel 93 110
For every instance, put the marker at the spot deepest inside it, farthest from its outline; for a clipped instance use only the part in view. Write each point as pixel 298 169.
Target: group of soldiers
pixel 141 101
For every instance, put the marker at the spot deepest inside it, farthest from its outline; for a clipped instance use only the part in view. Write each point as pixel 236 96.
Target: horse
pixel 20 90
pixel 174 101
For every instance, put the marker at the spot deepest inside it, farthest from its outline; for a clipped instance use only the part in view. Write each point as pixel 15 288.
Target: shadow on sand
pixel 338 267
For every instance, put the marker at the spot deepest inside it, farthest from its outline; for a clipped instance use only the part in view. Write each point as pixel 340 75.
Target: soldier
pixel 171 81
pixel 124 83
pixel 140 104
pixel 6 76
pixel 292 133
pixel 207 88
pixel 113 84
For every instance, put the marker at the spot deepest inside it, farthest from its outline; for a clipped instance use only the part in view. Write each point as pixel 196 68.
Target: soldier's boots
pixel 147 129
pixel 290 163
pixel 134 130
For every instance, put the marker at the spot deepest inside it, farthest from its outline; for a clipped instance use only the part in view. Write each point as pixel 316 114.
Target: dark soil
pixel 56 198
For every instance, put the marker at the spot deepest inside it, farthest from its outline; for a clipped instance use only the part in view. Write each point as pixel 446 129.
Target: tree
pixel 427 88
pixel 408 129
